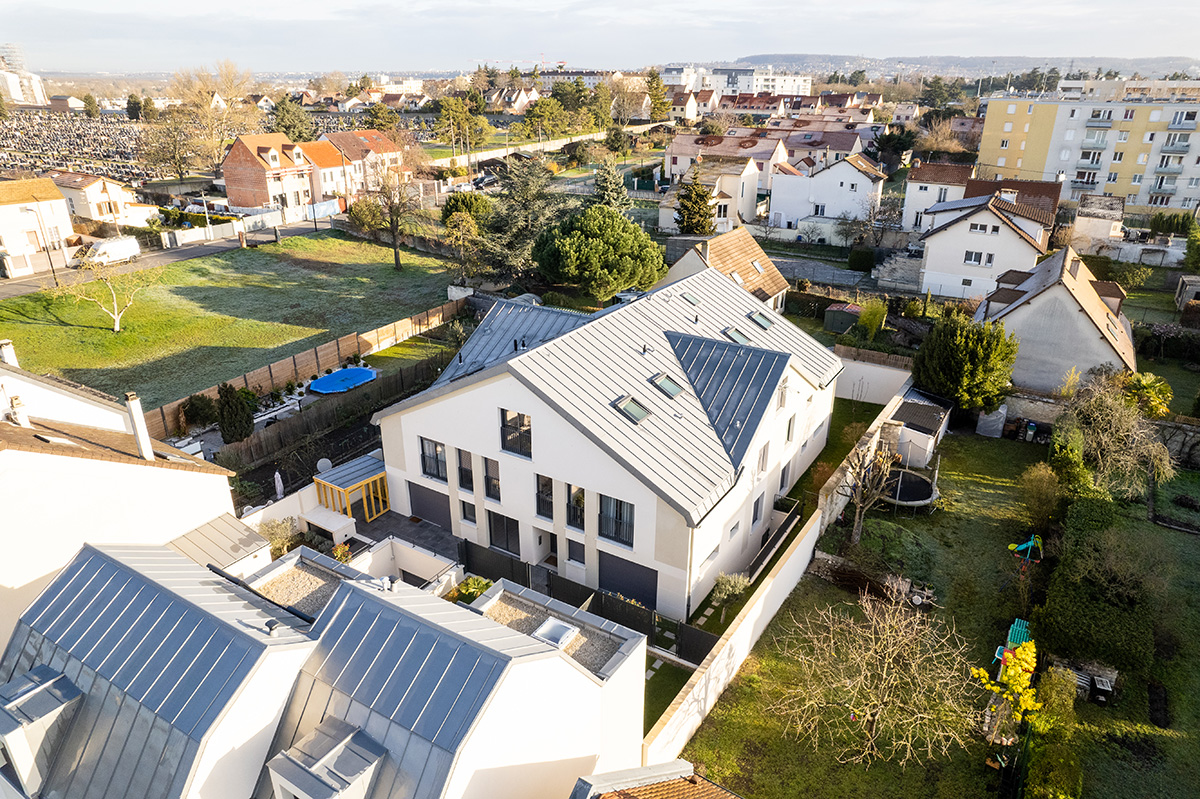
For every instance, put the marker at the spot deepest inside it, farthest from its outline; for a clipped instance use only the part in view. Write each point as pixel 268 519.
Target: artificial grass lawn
pixel 406 353
pixel 661 689
pixel 214 318
pixel 962 551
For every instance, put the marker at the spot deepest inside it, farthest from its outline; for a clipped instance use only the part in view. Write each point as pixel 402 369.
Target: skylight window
pixel 736 335
pixel 757 266
pixel 692 298
pixel 667 386
pixel 762 320
pixel 737 278
pixel 633 410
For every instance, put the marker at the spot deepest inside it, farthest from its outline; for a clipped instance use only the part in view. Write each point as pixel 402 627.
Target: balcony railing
pixel 1162 189
pixel 1188 125
pixel 1091 144
pixel 1172 169
pixel 466 478
pixel 1179 148
pixel 1084 184
pixel 574 516
pixel 619 530
pixel 545 505
pixel 1088 166
pixel 1099 123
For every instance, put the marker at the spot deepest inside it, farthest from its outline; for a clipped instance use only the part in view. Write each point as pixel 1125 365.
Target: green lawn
pixel 213 318
pixel 1145 305
pixel 813 327
pixel 962 551
pixel 406 353
pixel 661 689
pixel 1185 484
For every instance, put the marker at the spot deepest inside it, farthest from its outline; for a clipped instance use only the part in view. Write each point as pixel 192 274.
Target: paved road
pixel 816 271
pixel 16 287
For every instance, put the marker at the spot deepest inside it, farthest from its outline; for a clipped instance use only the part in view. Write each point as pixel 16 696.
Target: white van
pixel 108 251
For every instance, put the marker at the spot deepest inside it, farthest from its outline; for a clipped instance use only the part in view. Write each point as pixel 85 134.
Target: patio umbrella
pixel 278 485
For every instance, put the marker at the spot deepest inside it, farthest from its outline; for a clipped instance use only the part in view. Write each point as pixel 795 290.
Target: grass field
pixel 1144 305
pixel 1184 382
pixel 406 353
pixel 813 327
pixel 661 689
pixel 214 318
pixel 962 551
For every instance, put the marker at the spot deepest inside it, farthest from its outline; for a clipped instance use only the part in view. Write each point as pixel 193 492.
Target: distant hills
pixel 966 66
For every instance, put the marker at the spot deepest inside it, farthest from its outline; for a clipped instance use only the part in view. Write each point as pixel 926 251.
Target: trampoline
pixel 342 380
pixel 910 490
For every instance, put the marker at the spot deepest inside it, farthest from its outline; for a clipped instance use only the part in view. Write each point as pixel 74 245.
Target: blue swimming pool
pixel 342 380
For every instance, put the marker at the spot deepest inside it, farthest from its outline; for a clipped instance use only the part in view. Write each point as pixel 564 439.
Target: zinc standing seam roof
pixel 159 646
pixel 221 542
pixel 409 668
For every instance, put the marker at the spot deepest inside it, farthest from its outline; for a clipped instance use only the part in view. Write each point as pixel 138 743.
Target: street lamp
pixel 45 240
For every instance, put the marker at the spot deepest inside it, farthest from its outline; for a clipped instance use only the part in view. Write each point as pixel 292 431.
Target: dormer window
pixel 273 157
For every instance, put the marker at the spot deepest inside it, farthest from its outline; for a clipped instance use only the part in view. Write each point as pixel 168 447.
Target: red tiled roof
pixel 949 174
pixel 1043 194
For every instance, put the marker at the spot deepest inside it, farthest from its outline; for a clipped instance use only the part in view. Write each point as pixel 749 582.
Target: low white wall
pixel 291 505
pixel 672 732
pixel 869 382
pixel 391 556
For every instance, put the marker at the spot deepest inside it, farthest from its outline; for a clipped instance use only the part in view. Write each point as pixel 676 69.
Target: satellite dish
pixel 324 465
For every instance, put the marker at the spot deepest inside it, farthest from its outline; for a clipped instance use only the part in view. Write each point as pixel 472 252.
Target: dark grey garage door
pixel 629 579
pixel 432 506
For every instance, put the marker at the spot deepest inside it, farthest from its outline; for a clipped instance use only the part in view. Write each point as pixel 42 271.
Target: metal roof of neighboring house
pixel 507 322
pixel 62 385
pixel 221 542
pixel 37 190
pixel 352 473
pixel 734 384
pixel 333 756
pixel 160 647
pixel 1067 269
pixel 413 670
pixel 944 174
pixel 922 412
pixel 586 373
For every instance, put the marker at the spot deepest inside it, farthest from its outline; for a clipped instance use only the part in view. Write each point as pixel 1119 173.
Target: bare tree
pixel 214 98
pixel 170 142
pixel 940 137
pixel 400 202
pixel 118 290
pixel 867 480
pixel 882 215
pixel 847 228
pixel 888 683
pixel 628 102
pixel 811 232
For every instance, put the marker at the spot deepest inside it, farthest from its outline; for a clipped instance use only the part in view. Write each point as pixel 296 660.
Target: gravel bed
pixel 305 587
pixel 590 648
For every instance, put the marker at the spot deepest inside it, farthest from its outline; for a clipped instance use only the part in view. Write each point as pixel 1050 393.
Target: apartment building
pixel 1138 150
pixel 735 80
pixel 638 450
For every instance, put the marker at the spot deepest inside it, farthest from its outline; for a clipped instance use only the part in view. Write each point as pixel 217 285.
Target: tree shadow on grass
pixel 40 309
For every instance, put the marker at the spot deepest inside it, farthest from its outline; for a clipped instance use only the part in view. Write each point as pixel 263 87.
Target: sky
pixel 368 35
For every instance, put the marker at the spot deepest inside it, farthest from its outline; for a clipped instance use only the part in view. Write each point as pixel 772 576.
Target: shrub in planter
pixel 249 397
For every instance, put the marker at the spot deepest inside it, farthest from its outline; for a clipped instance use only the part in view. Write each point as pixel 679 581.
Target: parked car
pixel 119 250
pixel 483 181
pixel 457 187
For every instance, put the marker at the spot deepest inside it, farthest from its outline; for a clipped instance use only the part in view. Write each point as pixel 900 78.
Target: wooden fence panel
pixel 327 357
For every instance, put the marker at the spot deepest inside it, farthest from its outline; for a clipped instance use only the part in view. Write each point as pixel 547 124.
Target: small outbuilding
pixel 1187 290
pixel 841 316
pixel 925 418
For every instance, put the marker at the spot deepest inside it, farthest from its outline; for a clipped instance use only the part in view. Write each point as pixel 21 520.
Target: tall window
pixel 516 435
pixel 783 478
pixel 781 396
pixel 791 428
pixel 758 508
pixel 575 498
pixel 504 533
pixel 545 496
pixel 763 457
pixel 491 479
pixel 616 520
pixel 466 477
pixel 433 459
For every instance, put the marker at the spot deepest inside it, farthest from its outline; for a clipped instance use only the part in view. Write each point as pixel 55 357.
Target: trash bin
pixel 1030 431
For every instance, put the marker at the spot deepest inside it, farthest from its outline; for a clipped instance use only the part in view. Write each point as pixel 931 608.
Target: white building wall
pixel 918 197
pixel 232 758
pixel 840 188
pixel 58 503
pixel 43 401
pixel 22 234
pixel 944 271
pixel 516 752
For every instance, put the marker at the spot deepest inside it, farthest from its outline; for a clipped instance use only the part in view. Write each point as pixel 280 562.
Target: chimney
pixel 138 420
pixel 8 353
pixel 17 414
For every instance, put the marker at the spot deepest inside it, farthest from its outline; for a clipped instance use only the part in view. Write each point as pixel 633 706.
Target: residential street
pixel 17 287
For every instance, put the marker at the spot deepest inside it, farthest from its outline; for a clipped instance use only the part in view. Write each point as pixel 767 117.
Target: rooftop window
pixel 757 266
pixel 762 320
pixel 632 409
pixel 692 298
pixel 667 386
pixel 736 335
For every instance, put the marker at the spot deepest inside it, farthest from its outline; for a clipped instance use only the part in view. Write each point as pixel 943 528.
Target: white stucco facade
pixel 965 258
pixel 919 196
pixel 828 193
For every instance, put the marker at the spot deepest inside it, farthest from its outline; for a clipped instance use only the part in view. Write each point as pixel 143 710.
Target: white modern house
pixel 137 672
pixel 850 186
pixel 971 242
pixel 101 199
pixel 927 185
pixel 640 449
pixel 1063 317
pixel 34 221
pixel 685 150
pixel 737 256
pixel 79 467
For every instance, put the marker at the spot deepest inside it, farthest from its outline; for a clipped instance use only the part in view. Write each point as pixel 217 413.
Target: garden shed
pixel 925 418
pixel 841 316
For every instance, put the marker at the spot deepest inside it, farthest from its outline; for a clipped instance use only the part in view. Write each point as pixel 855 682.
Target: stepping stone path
pixel 653 668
